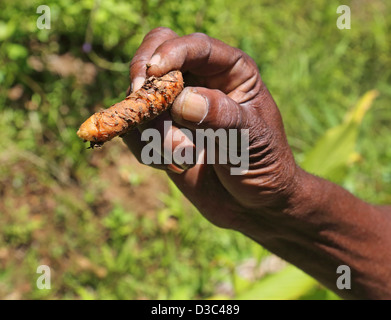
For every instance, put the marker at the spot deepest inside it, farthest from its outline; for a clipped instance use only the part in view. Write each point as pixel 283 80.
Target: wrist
pixel 285 211
pixel 308 194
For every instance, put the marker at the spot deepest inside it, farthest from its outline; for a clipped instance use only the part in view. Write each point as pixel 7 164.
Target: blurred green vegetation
pixel 110 228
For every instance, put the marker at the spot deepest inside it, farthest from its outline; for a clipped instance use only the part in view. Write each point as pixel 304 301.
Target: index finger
pixel 197 53
pixel 151 42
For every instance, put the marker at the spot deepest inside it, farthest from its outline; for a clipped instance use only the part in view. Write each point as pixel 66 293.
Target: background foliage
pixel 110 228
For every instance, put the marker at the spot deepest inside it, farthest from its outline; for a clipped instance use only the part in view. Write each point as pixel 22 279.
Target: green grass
pixel 85 214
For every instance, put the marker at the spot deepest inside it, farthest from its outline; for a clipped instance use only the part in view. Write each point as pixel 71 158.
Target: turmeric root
pixel 155 96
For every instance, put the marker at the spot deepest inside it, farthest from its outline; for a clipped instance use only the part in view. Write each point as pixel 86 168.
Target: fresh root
pixel 155 96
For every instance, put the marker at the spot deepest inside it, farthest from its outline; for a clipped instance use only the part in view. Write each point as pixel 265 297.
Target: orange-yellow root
pixel 156 96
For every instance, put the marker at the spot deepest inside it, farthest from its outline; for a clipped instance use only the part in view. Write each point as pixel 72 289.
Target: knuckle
pixel 137 65
pixel 167 47
pixel 160 31
pixel 199 36
pixel 134 62
pixel 137 60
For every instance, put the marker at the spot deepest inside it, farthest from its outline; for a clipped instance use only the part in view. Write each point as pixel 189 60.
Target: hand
pixel 306 220
pixel 227 92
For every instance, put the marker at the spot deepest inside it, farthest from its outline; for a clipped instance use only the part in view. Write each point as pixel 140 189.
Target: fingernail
pixel 137 83
pixel 175 169
pixel 155 60
pixel 184 157
pixel 194 107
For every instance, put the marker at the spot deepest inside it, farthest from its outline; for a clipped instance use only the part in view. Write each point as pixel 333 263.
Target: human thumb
pixel 198 107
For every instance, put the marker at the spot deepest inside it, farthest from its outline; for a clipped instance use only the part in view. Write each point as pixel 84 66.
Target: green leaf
pixel 335 150
pixel 290 283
